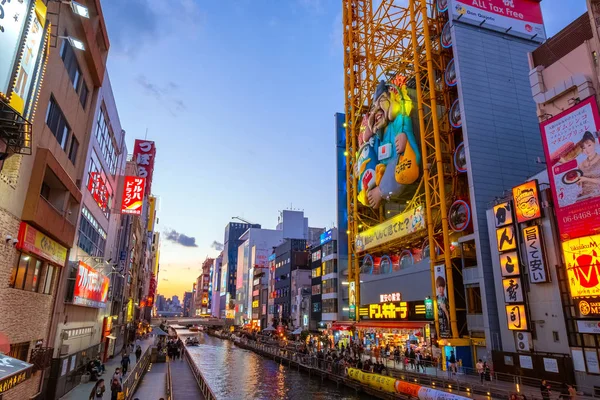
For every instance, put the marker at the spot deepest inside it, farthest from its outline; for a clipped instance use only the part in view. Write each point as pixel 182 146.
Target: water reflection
pixel 235 373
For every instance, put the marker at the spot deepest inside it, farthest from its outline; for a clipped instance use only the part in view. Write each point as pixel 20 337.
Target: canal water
pixel 236 374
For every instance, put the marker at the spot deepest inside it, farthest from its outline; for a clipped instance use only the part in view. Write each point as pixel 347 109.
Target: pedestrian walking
pixel 480 369
pixel 115 389
pixel 98 390
pixel 125 363
pixel 138 353
pixel 452 362
pixel 545 390
pixel 118 375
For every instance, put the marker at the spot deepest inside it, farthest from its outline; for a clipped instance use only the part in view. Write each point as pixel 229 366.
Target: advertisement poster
pixel 591 358
pixel 527 201
pixel 532 236
pixel 144 152
pixel 10 38
pixel 443 305
pixel 352 301
pixel 521 18
pixel 133 195
pixel 91 288
pixel 394 228
pixel 573 160
pixel 551 365
pixel 583 266
pixel 526 362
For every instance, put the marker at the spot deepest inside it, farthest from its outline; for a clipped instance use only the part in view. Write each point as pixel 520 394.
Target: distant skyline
pixel 240 101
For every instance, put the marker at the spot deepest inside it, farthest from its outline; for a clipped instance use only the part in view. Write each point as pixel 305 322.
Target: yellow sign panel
pixel 505 238
pixel 394 228
pixel 527 202
pixel 583 265
pixel 255 304
pixel 516 317
pixel 35 242
pixel 130 310
pixel 385 311
pixel 503 214
pixel 151 212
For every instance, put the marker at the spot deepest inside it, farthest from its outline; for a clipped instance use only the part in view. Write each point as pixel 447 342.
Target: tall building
pixel 290 256
pixel 215 299
pixel 231 242
pixel 341 215
pixel 42 161
pixel 202 300
pixel 187 304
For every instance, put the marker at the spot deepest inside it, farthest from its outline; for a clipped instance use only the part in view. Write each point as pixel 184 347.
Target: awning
pixel 391 324
pixel 342 325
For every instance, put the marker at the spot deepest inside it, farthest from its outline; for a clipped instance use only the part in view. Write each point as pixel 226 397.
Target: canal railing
pixel 169 383
pixel 202 383
pixel 133 379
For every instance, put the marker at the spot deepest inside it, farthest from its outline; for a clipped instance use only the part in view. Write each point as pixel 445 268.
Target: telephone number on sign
pixel 580 216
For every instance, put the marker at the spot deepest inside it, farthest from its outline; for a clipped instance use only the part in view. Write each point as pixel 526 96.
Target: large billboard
pixel 521 18
pixel 91 288
pixel 583 266
pixel 573 160
pixel 133 195
pixel 441 297
pixel 144 152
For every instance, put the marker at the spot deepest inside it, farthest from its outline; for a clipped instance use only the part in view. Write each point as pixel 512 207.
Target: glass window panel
pixel 22 271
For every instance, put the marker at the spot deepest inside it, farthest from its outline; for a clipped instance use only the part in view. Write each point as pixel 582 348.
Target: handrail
pixel 202 383
pixel 169 383
pixel 132 380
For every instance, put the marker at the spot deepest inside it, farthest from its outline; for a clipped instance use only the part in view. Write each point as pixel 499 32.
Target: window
pixel 45 192
pixel 46 288
pixel 28 272
pixel 73 150
pixel 20 351
pixel 57 123
pixel 330 306
pixel 98 185
pixel 104 136
pixel 92 238
pixel 316 272
pixel 317 307
pixel 555 336
pixel 316 289
pixel 474 300
pixel 329 248
pixel 316 256
pixel 330 286
pixel 70 60
pixel 329 267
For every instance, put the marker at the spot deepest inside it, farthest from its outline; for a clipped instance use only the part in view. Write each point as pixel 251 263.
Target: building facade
pixel 290 256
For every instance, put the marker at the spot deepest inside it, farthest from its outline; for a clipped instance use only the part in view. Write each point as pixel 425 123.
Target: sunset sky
pixel 239 96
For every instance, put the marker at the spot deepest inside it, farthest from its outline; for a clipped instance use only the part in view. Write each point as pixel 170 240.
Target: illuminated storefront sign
pixel 395 311
pixel 429 309
pixel 130 310
pixel 509 264
pixel 35 242
pixel 583 266
pixel 571 147
pixel 13 371
pixel 91 288
pixel 352 300
pixel 133 195
pixel 503 214
pixel 516 317
pixel 326 237
pixel 527 201
pixel 589 307
pixel 513 290
pixel 390 297
pixel 255 304
pixel 12 29
pixel 534 249
pixel 151 213
pixel 98 189
pixel 521 18
pixel 505 238
pixel 144 152
pixel 394 228
pixel 588 327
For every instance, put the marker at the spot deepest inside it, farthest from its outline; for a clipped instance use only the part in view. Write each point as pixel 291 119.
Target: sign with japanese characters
pixel 573 160
pixel 516 317
pixel 13 17
pixel 583 266
pixel 503 214
pixel 394 311
pixel 98 189
pixel 133 195
pixel 588 307
pixel 35 242
pixel 513 290
pixel 527 201
pixel 522 18
pixel 401 225
pixel 91 288
pixel 505 238
pixel 144 152
pixel 13 371
pixel 509 264
pixel 390 297
pixel 534 249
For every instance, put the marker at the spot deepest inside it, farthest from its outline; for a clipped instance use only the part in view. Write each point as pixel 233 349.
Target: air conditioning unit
pixel 64 349
pixel 524 341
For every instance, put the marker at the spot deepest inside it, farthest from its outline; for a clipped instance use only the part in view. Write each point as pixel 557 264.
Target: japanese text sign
pixel 502 214
pixel 98 189
pixel 573 161
pixel 13 372
pixel 391 311
pixel 144 153
pixel 516 317
pixel 513 290
pixel 509 264
pixel 133 195
pixel 589 307
pixel 390 297
pixel 534 249
pixel 91 288
pixel 583 266
pixel 522 18
pixel 527 201
pixel 394 228
pixel 506 239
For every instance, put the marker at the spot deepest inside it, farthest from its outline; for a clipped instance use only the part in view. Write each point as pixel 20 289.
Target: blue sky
pixel 239 96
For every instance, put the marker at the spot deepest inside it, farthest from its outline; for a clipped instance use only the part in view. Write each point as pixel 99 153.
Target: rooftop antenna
pixel 146 135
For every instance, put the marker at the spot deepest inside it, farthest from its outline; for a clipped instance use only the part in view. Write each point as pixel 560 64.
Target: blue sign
pixel 326 237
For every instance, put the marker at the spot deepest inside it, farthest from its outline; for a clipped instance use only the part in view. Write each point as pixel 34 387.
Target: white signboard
pixel 578 362
pixel 591 358
pixel 33 43
pixel 588 326
pixel 551 365
pixel 532 236
pixel 13 16
pixel 526 362
pixel 521 18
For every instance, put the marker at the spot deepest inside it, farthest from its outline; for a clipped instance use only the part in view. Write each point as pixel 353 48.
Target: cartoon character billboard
pixel 388 162
pixel 573 161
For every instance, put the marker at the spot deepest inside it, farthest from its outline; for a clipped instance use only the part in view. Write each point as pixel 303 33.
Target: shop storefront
pixel 343 332
pixel 397 324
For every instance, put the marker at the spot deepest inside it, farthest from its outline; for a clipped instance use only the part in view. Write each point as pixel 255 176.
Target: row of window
pixel 56 121
pixel 104 136
pixel 282 263
pixel 92 238
pixel 330 306
pixel 316 256
pixel 279 293
pixel 329 286
pixel 329 248
pixel 32 274
pixel 70 60
pixel 329 267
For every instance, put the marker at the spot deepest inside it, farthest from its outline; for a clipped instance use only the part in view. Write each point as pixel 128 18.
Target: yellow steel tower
pixel 401 38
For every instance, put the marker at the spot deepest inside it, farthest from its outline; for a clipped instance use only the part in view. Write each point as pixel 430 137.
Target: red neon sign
pixel 144 152
pixel 133 195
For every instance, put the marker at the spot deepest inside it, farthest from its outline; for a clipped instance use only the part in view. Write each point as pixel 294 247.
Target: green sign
pixel 429 308
pixel 352 313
